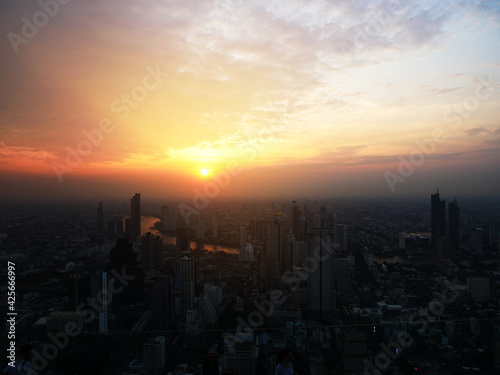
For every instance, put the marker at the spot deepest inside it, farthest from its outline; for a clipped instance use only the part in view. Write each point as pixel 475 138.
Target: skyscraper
pixel 135 218
pixel 454 225
pixel 186 273
pixel 200 228
pixel 100 217
pixel 152 252
pixel 163 303
pixel 243 236
pixel 321 282
pixel 438 224
pixel 214 226
pixel 154 355
pixel 296 228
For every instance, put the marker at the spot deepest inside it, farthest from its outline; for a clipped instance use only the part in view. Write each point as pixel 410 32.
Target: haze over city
pixel 317 98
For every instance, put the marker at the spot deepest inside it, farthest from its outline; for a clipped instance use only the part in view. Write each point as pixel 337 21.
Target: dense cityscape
pixel 351 287
pixel 250 187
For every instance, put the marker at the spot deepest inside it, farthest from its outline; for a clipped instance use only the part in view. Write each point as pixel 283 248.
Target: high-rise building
pixel 321 281
pixel 115 228
pixel 104 315
pixel 100 217
pixel 476 240
pixel 296 220
pixel 438 224
pixel 135 218
pixel 207 310
pixel 341 237
pixel 163 303
pixel 243 236
pixel 186 273
pixel 454 225
pixel 478 288
pixel 152 252
pixel 154 355
pixel 181 241
pixel 214 226
pixel 200 228
pixel 258 230
pixel 240 356
pixel 275 236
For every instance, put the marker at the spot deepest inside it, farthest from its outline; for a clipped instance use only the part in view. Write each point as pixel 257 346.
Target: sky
pixel 289 98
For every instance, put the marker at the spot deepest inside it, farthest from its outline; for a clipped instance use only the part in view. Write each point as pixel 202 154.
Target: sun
pixel 205 172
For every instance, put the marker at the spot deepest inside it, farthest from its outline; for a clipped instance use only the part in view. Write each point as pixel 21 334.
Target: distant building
pixel 476 240
pixel 240 356
pixel 135 218
pixel 186 273
pixel 200 228
pixel 154 355
pixel 214 226
pixel 415 243
pixel 321 280
pixel 296 222
pixel 207 310
pixel 454 226
pixel 341 237
pixel 57 321
pixel 478 288
pixel 438 223
pixel 152 252
pixel 258 230
pixel 163 303
pixel 243 236
pixel 100 217
pixel 247 253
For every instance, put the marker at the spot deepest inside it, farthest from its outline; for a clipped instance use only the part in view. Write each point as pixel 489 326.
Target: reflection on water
pixel 148 222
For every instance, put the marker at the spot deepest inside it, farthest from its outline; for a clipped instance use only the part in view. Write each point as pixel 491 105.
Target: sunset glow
pixel 305 97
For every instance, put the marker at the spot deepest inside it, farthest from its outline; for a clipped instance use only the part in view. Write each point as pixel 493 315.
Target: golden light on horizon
pixel 205 172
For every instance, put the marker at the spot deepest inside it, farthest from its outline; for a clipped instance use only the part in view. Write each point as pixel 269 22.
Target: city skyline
pixel 381 99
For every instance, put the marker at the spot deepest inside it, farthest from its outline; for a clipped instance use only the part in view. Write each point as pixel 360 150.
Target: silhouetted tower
pixel 163 303
pixel 135 218
pixel 152 252
pixel 454 225
pixel 296 221
pixel 438 223
pixel 100 217
pixel 186 272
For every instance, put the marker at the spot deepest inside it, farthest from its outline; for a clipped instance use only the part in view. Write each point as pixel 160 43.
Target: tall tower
pixel 200 228
pixel 275 240
pixel 214 226
pixel 454 225
pixel 154 355
pixel 296 221
pixel 100 217
pixel 320 243
pixel 135 218
pixel 152 252
pixel 186 273
pixel 243 236
pixel 438 224
pixel 163 303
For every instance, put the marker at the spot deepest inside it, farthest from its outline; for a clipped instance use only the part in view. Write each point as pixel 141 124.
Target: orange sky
pixel 306 97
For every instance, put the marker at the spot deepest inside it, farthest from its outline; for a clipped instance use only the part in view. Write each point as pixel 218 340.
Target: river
pixel 148 222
